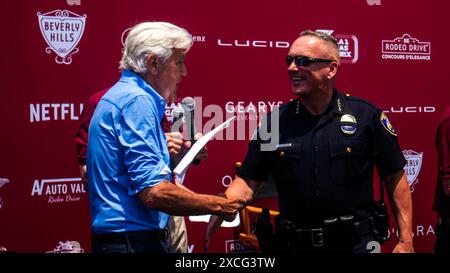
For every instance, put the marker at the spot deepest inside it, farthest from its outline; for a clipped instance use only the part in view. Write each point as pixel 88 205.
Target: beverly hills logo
pixel 406 48
pixel 62 30
pixel 412 167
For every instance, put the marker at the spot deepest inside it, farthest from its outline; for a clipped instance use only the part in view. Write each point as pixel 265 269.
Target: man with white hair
pixel 128 154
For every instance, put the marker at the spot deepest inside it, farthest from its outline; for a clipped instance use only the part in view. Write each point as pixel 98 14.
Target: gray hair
pixel 158 38
pixel 324 37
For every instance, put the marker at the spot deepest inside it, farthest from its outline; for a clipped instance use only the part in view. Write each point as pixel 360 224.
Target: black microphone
pixel 177 121
pixel 177 118
pixel 188 105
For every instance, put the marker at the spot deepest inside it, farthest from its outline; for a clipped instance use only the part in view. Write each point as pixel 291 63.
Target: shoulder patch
pixel 386 124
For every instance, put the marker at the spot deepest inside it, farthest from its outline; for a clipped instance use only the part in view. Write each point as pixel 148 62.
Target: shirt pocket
pixel 348 161
pixel 287 159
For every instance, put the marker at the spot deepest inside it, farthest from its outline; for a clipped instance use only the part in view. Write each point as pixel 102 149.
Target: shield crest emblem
pixel 412 167
pixel 62 30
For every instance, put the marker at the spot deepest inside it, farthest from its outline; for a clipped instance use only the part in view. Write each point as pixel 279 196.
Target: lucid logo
pixel 253 43
pixel 411 109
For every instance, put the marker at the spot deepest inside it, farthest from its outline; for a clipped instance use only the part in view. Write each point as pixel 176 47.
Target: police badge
pixel 348 124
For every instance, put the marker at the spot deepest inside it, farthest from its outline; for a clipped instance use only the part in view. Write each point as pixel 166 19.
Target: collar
pixel 160 102
pixel 337 106
pixel 339 103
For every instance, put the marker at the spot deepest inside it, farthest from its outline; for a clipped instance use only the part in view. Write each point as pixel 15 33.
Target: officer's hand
pixel 174 142
pixel 214 223
pixel 404 247
pixel 229 208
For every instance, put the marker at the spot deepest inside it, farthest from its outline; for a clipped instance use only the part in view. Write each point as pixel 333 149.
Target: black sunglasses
pixel 305 61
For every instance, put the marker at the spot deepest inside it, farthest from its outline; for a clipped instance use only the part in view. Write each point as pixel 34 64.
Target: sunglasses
pixel 305 61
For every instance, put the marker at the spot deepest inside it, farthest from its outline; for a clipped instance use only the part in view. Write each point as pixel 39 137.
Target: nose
pixel 292 67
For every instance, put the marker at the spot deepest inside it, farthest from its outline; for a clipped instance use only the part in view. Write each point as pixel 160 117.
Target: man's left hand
pixel 404 247
pixel 203 154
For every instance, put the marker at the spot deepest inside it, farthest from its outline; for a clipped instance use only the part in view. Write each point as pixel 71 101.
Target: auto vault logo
pixel 348 46
pixel 412 167
pixel 406 48
pixel 62 30
pixel 59 190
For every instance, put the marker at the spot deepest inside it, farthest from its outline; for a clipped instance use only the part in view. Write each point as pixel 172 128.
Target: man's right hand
pixel 174 142
pixel 229 208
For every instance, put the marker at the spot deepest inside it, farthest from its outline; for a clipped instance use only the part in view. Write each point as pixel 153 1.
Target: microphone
pixel 188 105
pixel 177 118
pixel 177 123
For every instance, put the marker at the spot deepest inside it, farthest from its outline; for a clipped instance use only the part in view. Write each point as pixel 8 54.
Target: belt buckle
pixel 317 237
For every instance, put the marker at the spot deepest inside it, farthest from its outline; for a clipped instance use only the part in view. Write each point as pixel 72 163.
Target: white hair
pixel 158 38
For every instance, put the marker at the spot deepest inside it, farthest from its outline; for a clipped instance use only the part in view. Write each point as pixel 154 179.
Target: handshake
pixel 223 207
pixel 229 207
pixel 228 212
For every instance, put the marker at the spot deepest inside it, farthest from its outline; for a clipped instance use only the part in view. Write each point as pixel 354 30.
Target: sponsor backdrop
pixel 57 53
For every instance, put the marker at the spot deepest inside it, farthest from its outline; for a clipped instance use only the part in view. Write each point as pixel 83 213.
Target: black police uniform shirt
pixel 323 165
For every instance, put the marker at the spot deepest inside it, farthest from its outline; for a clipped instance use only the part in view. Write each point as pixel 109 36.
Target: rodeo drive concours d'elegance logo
pixel 62 30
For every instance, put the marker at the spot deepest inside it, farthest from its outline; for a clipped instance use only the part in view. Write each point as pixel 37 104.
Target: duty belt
pixel 334 233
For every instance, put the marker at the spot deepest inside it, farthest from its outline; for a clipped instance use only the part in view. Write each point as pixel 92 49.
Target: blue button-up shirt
pixel 127 152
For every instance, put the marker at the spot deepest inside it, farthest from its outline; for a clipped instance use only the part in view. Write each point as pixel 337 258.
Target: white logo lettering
pixel 74 2
pixel 405 48
pixel 374 2
pixel 348 46
pixel 254 43
pixel 55 111
pixel 62 32
pixel 59 190
pixel 411 109
pixel 232 246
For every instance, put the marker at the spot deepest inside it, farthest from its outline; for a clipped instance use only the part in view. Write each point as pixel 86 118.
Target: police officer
pixel 323 163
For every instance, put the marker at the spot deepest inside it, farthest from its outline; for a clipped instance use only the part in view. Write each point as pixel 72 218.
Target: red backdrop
pixel 395 52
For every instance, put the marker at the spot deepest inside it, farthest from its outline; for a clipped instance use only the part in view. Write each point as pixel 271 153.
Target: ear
pixel 152 64
pixel 333 70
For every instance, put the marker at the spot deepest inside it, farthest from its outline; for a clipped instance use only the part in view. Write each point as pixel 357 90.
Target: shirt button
pixel 316 171
pixel 316 149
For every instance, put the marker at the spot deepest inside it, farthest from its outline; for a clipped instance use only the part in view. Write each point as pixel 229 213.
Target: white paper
pixel 198 145
pixel 205 218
